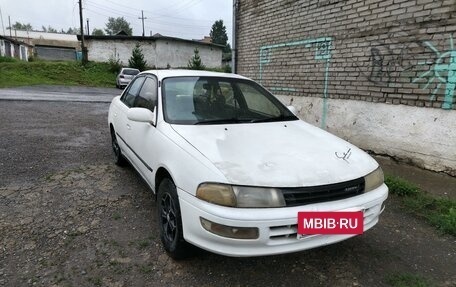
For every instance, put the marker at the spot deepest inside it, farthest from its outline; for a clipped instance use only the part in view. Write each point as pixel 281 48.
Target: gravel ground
pixel 70 217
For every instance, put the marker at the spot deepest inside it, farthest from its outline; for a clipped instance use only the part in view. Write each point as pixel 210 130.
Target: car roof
pixel 161 74
pixel 133 69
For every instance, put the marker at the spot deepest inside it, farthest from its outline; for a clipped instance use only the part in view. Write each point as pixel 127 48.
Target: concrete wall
pixel 2 48
pixel 10 49
pixel 387 66
pixel 158 53
pixel 424 137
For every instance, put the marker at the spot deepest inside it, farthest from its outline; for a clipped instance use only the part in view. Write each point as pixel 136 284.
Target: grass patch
pixel 7 60
pixel 96 281
pixel 71 73
pixel 146 269
pixel 116 216
pixel 406 280
pixel 143 244
pixel 439 212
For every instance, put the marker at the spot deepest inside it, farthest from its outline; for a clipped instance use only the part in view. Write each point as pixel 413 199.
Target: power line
pixel 120 13
pixel 181 6
pixel 169 23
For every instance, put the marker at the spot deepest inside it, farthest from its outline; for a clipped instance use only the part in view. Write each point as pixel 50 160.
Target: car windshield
pixel 218 100
pixel 131 72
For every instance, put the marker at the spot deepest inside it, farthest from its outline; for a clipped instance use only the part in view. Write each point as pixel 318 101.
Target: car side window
pixel 130 95
pixel 147 97
pixel 256 102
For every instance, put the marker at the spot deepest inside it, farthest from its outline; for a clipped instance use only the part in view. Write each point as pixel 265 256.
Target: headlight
pixel 373 180
pixel 240 196
pixel 221 194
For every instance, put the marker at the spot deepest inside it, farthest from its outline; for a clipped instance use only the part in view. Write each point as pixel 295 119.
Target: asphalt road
pixel 70 217
pixel 59 94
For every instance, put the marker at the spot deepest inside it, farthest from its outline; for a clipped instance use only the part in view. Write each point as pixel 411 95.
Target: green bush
pixel 195 63
pixel 227 69
pixel 137 59
pixel 114 65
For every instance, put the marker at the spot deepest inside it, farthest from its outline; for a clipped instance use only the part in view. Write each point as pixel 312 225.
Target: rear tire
pixel 170 221
pixel 119 159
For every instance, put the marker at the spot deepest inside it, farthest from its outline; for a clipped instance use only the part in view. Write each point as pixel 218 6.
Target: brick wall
pixel 393 51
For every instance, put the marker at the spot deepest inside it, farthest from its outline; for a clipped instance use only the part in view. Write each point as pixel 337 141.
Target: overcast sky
pixel 189 19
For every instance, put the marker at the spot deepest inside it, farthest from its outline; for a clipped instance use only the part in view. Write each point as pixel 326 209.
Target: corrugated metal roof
pixel 41 35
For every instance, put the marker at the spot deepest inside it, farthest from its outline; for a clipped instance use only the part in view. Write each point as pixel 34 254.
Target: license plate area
pixel 334 222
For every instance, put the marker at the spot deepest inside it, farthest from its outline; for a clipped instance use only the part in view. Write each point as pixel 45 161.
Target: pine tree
pixel 195 62
pixel 137 59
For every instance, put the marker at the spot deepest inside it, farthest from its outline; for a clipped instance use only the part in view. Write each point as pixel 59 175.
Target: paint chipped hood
pixel 279 154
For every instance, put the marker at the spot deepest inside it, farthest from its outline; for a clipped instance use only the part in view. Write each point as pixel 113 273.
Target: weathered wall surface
pixel 177 54
pixel 55 53
pixel 381 74
pixel 158 53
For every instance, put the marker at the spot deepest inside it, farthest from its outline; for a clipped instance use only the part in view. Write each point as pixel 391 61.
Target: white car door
pixel 122 124
pixel 144 135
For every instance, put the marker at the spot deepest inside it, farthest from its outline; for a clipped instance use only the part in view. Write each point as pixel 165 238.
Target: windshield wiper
pixel 220 121
pixel 275 119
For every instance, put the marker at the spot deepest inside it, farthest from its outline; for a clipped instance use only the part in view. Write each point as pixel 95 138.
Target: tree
pixel 97 32
pixel 20 26
pixel 219 36
pixel 137 58
pixel 51 30
pixel 115 25
pixel 73 31
pixel 195 62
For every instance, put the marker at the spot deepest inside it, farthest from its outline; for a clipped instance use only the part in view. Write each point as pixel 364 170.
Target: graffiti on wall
pixel 385 65
pixel 322 52
pixel 392 63
pixel 441 73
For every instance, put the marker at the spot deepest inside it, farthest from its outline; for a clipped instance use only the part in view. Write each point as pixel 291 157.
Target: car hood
pixel 279 154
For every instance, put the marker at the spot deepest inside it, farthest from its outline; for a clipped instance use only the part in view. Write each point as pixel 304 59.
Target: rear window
pixel 130 72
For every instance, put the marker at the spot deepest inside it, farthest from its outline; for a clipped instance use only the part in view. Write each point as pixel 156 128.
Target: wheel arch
pixel 161 174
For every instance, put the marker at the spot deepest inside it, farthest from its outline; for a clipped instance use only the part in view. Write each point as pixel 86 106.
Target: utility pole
pixel 83 48
pixel 88 29
pixel 233 40
pixel 142 18
pixel 3 26
pixel 9 20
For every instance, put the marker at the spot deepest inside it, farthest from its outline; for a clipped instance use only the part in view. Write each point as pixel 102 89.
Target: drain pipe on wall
pixel 234 44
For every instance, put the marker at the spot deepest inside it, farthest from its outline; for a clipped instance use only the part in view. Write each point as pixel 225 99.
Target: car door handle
pixel 128 127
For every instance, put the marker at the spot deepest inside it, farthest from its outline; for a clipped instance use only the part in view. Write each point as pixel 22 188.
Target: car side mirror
pixel 141 115
pixel 293 110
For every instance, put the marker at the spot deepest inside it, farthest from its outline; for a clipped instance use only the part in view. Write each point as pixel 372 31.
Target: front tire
pixel 170 221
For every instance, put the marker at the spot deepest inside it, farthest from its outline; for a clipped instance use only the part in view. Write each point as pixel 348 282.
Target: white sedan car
pixel 125 76
pixel 232 167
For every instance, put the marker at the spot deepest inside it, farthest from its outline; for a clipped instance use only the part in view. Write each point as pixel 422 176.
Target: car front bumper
pixel 277 226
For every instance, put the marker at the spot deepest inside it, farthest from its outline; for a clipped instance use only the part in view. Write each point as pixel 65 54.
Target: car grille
pixel 322 193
